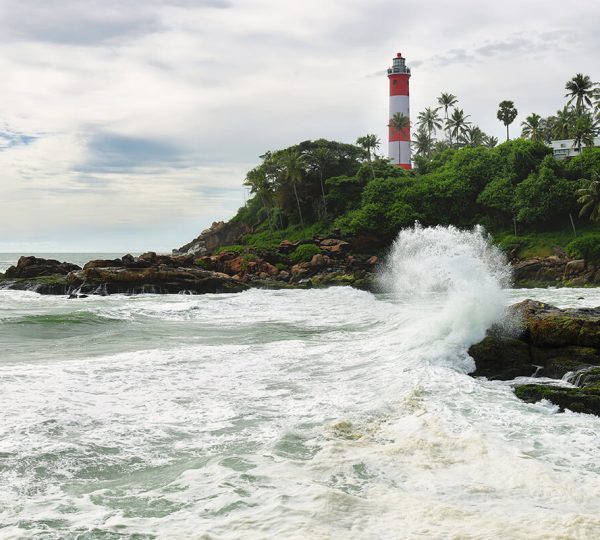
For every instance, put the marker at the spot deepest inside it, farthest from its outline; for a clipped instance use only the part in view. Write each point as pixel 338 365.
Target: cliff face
pixel 219 234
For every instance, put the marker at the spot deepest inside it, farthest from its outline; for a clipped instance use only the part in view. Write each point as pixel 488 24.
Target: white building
pixel 566 148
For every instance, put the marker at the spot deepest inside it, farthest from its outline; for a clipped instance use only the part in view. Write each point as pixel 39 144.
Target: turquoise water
pixel 328 413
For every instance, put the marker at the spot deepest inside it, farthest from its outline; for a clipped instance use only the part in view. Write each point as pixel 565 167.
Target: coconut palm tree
pixel 589 197
pixel 563 123
pixel 506 114
pixel 580 90
pixel 490 141
pixel 369 143
pixel 292 163
pixel 533 127
pixel 457 124
pixel 430 120
pixel 400 122
pixel 472 136
pixel 584 131
pixel 447 100
pixel 422 142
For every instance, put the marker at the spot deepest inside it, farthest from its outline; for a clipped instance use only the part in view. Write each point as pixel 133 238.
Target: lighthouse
pixel 399 141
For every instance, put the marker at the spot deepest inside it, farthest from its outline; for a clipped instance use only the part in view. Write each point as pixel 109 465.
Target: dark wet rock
pixel 288 247
pixel 55 284
pixel 502 358
pixel 31 267
pixel 584 400
pixel 155 279
pixel 103 263
pixel 554 343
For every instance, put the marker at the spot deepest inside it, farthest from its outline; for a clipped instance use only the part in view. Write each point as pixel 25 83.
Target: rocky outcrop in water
pixel 31 267
pixel 148 273
pixel 555 343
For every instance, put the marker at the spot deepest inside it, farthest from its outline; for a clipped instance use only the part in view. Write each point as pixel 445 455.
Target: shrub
pixel 304 253
pixel 510 242
pixel 585 247
pixel 230 249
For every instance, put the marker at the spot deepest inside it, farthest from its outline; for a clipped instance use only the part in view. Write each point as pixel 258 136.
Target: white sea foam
pixel 287 414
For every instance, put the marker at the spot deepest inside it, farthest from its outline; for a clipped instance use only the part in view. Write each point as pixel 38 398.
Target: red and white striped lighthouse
pixel 399 141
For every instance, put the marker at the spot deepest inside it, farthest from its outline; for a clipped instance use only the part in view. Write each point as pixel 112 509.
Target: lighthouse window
pixel 395 81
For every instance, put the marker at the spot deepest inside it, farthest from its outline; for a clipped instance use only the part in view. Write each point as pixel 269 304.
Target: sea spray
pixel 454 279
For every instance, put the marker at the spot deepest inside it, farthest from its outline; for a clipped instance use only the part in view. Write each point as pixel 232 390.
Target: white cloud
pixel 158 110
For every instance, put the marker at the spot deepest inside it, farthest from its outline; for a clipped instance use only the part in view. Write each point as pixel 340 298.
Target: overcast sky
pixel 128 125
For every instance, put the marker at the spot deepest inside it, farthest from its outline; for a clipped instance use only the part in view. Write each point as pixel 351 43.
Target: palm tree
pixel 447 100
pixel 320 158
pixel 563 123
pixel 533 127
pixel 472 136
pixel 457 124
pixel 585 129
pixel 580 90
pixel 259 184
pixel 369 143
pixel 400 122
pixel 506 114
pixel 490 141
pixel 430 119
pixel 589 197
pixel 422 142
pixel 292 163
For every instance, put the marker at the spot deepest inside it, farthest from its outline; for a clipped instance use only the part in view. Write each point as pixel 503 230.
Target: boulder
pixel 156 279
pixel 31 267
pixel 554 342
pixel 574 267
pixel 103 263
pixel 319 260
pixel 499 357
pixel 287 247
pixel 335 246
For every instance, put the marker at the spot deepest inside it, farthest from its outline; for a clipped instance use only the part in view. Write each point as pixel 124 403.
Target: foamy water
pixel 288 414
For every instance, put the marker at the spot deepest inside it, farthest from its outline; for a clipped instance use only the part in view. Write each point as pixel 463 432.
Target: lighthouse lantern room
pixel 399 140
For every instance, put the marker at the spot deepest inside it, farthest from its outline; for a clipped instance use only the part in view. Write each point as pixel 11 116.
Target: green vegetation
pixel 529 201
pixel 585 247
pixel 304 253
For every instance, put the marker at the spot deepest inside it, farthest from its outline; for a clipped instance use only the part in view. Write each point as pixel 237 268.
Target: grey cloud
pixel 87 23
pixel 119 153
pixel 513 45
pixel 9 138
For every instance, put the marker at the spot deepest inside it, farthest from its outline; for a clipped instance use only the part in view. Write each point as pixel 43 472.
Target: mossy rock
pixel 555 330
pixel 559 361
pixel 585 400
pixel 53 284
pixel 502 358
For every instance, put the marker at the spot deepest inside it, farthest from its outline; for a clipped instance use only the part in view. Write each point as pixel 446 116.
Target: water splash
pixel 453 279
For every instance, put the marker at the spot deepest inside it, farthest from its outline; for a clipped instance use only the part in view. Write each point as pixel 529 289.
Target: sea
pixel 303 414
